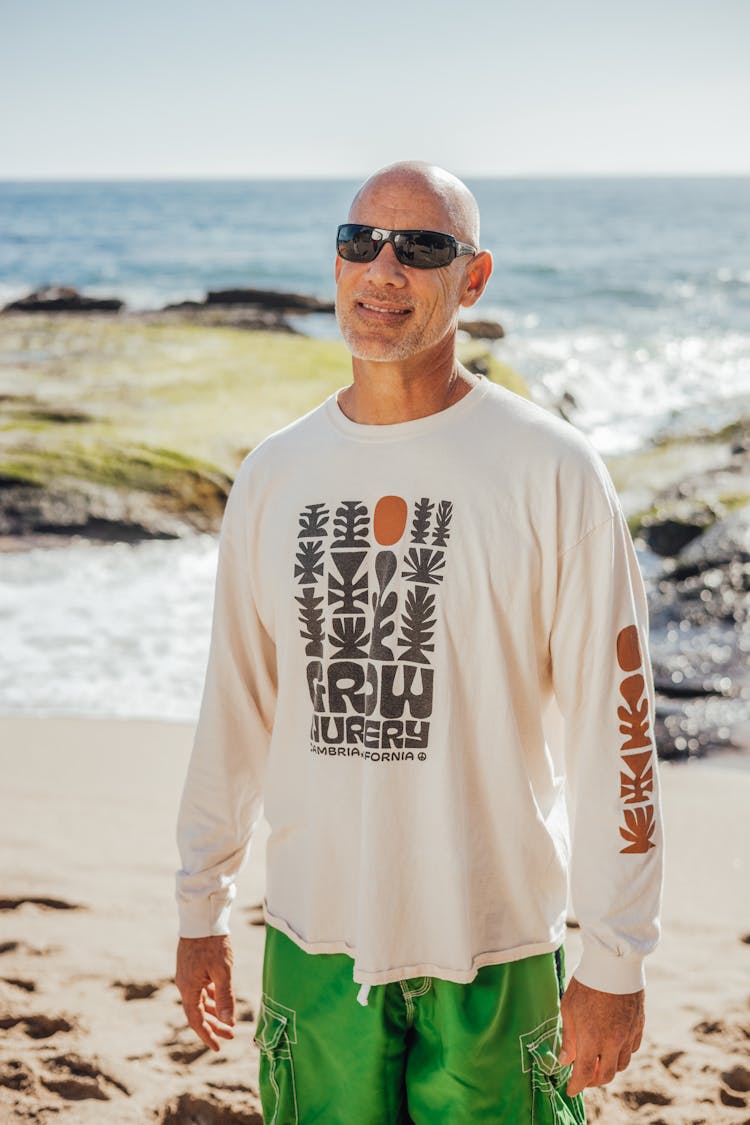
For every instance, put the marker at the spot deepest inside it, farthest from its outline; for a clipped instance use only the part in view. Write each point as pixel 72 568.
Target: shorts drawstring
pixel 363 995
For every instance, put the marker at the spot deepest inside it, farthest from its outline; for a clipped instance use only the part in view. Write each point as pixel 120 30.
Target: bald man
pixel 429 630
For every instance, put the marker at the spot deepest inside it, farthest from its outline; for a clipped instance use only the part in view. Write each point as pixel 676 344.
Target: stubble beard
pixel 370 345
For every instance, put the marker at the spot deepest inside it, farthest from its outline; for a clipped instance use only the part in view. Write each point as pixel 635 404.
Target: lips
pixel 384 312
pixel 383 308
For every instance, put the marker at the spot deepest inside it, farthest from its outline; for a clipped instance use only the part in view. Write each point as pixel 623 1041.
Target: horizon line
pixel 345 177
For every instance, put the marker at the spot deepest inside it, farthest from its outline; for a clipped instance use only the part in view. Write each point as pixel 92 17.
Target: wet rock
pixel 672 526
pixel 62 298
pixel 106 492
pixel 726 542
pixel 98 512
pixel 269 299
pixel 699 607
pixel 482 329
pixel 250 317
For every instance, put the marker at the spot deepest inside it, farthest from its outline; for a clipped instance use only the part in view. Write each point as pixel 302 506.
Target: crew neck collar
pixel 397 431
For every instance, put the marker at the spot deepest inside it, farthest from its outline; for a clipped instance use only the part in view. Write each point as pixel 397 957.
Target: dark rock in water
pixel 250 317
pixel 482 329
pixel 269 299
pixel 62 298
pixel 673 525
pixel 254 309
pixel 699 608
pixel 725 542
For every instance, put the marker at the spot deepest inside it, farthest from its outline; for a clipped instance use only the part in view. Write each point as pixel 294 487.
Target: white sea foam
pixel 622 391
pixel 110 629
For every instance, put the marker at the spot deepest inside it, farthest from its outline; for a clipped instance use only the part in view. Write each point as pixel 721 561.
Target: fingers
pixel 201 1016
pixel 568 1044
pixel 582 1075
pixel 198 1019
pixel 204 979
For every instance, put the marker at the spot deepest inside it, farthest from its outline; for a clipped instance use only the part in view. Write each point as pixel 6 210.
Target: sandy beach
pixel 92 1026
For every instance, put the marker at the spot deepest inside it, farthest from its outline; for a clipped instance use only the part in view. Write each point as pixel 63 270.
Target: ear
pixel 337 268
pixel 477 276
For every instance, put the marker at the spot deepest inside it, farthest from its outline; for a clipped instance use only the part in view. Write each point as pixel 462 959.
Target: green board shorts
pixel 422 1051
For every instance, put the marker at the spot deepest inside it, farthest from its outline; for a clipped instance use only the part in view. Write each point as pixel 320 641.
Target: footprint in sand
pixel 183 1046
pixel 36 1027
pixel 735 1083
pixel 189 1109
pixel 634 1099
pixel 16 1075
pixel 231 1087
pixel 738 1078
pixel 668 1060
pixel 23 947
pixel 75 1079
pixel 33 900
pixel 138 990
pixel 187 1054
pixel 20 982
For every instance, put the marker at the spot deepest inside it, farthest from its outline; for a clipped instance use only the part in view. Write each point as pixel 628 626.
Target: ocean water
pixel 632 297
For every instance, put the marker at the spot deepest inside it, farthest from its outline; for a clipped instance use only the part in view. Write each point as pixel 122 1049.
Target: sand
pixel 92 1026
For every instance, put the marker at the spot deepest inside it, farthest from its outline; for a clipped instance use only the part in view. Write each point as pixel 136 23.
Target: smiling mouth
pixel 386 310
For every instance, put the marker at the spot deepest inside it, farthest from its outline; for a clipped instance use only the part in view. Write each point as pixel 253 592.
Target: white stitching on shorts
pixel 410 993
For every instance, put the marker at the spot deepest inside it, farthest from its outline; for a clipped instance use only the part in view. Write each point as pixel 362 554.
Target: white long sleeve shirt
pixel 424 634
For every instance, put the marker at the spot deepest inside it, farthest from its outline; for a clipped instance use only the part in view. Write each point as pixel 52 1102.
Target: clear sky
pixel 213 88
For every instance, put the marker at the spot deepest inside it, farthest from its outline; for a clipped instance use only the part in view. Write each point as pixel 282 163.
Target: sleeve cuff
pixel 608 972
pixel 206 917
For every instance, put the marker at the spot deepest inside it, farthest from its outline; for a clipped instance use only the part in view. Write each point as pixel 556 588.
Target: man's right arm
pixel 222 796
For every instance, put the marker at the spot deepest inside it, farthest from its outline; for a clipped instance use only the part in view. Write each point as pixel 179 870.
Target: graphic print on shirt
pixel 367 615
pixel 637 786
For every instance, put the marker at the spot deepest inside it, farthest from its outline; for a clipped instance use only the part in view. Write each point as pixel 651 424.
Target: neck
pixel 383 393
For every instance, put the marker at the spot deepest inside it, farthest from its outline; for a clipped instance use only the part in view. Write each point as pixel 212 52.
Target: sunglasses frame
pixel 458 248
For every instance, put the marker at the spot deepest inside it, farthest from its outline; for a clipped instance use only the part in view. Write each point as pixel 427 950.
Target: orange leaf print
pixel 636 788
pixel 638 830
pixel 628 649
pixel 634 717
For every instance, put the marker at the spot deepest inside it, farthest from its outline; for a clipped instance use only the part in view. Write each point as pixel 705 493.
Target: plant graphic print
pixel 636 786
pixel 368 588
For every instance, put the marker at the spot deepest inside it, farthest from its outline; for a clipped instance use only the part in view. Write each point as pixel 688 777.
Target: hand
pixel 601 1030
pixel 204 978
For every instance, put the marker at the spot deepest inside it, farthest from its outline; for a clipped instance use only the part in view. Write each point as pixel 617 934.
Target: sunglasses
pixel 420 249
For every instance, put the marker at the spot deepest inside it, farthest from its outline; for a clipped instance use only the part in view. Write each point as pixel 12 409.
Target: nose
pixel 386 269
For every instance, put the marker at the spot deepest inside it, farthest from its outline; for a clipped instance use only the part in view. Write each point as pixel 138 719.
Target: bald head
pixel 416 181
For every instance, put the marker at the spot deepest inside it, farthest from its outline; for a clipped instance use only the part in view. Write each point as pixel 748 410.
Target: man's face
pixel 388 312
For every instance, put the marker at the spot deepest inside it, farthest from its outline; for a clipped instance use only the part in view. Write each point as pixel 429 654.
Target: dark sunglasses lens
pixel 356 243
pixel 424 250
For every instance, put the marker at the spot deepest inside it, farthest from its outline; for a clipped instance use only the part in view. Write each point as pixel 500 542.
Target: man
pixel 415 580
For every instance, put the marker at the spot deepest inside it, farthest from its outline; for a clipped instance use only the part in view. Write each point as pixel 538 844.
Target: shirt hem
pixel 418 969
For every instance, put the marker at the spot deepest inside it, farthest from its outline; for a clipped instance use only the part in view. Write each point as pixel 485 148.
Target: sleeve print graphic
pixel 362 578
pixel 634 717
pixel 637 786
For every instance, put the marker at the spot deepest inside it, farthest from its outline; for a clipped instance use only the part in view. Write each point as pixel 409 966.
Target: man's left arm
pixel 603 684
